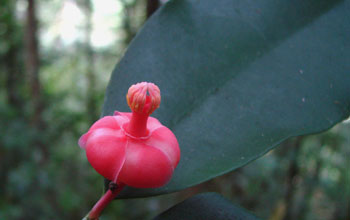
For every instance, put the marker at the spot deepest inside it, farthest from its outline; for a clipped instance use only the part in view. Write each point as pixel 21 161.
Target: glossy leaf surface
pixel 238 77
pixel 209 206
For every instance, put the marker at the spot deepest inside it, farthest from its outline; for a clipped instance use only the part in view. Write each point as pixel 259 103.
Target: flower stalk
pixel 112 192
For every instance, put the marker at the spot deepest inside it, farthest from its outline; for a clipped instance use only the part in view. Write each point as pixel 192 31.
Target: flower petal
pixel 105 150
pixel 145 166
pixel 105 122
pixel 164 140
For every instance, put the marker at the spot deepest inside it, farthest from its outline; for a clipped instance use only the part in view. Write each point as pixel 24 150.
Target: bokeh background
pixel 56 58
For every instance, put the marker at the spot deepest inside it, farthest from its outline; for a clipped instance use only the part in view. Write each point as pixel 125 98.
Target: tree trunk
pixel 32 69
pixel 127 20
pixel 292 174
pixel 32 63
pixel 309 191
pixel 13 78
pixel 10 62
pixel 152 6
pixel 90 68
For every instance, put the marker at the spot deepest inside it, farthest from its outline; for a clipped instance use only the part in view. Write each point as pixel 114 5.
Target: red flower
pixel 132 148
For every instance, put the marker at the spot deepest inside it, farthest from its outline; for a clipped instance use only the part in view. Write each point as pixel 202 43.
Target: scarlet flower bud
pixel 132 148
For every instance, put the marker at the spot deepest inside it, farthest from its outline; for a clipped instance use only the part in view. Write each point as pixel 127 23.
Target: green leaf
pixel 238 78
pixel 209 206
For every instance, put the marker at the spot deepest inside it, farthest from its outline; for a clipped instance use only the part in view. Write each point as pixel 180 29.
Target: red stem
pixel 103 202
pixel 138 124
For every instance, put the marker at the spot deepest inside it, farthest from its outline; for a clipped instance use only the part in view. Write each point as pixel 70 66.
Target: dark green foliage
pixel 238 78
pixel 209 206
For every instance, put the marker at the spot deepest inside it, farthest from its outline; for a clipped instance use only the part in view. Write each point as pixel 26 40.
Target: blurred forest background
pixel 56 58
